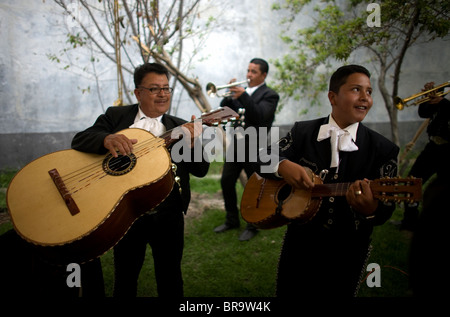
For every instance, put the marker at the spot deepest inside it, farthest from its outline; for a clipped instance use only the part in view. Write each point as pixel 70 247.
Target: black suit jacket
pixel 259 108
pixel 116 119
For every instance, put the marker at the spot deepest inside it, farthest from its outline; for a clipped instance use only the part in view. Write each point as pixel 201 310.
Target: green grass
pixel 219 265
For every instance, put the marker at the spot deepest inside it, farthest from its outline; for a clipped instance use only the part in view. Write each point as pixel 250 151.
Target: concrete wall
pixel 42 104
pixel 18 149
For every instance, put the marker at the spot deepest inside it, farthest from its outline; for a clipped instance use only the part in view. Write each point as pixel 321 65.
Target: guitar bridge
pixel 66 196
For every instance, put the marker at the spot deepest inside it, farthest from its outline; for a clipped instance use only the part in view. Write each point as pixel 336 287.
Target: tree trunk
pixel 392 111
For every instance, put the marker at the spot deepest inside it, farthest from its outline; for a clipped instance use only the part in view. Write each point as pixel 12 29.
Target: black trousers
pixel 316 263
pixel 432 160
pixel 230 175
pixel 430 242
pixel 164 232
pixel 27 274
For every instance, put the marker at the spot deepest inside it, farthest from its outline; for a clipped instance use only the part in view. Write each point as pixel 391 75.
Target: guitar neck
pixel 385 189
pixel 170 138
pixel 213 118
pixel 327 190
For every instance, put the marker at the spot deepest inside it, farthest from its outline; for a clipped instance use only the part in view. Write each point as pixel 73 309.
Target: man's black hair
pixel 340 76
pixel 144 69
pixel 263 65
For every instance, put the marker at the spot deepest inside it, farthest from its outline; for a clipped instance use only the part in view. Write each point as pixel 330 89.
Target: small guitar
pixel 268 203
pixel 75 206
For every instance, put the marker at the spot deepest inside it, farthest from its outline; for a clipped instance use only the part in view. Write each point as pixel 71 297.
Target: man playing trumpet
pixel 258 102
pixel 434 157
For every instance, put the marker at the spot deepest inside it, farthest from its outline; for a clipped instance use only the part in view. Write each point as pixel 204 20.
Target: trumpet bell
pixel 399 103
pixel 211 89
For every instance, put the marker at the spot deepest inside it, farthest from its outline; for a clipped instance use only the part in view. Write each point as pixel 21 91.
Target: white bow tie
pixel 341 140
pixel 150 124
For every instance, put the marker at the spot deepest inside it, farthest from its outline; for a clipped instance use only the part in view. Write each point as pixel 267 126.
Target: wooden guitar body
pixel 268 203
pixel 75 206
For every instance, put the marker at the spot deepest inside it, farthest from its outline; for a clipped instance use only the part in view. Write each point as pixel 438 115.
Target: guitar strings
pixel 320 189
pixel 99 163
pixel 97 172
pixel 94 172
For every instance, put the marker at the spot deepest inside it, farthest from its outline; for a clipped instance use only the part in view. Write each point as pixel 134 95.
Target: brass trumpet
pixel 212 89
pixel 402 103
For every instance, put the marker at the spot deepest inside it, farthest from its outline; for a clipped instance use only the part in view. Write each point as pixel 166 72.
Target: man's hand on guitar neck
pixel 295 175
pixel 189 131
pixel 119 142
pixel 360 197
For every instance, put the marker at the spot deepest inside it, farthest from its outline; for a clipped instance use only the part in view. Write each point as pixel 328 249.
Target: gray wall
pixel 21 148
pixel 42 104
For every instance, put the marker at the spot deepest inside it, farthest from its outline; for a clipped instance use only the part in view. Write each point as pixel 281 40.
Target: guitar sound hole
pixel 284 192
pixel 120 165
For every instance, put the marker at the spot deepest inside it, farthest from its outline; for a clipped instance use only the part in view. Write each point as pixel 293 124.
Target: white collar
pixel 140 115
pixel 251 90
pixel 352 129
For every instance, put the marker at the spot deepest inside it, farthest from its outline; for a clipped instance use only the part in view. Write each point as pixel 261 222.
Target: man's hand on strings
pixel 119 143
pixel 295 175
pixel 192 130
pixel 360 197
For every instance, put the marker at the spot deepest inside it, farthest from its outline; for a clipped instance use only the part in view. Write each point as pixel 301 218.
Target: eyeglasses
pixel 157 90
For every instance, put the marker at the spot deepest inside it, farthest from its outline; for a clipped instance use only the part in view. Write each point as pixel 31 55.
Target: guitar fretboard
pixel 327 190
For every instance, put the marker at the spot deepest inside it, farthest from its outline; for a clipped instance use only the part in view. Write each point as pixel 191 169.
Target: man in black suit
pixel 259 103
pixel 325 257
pixel 434 157
pixel 163 228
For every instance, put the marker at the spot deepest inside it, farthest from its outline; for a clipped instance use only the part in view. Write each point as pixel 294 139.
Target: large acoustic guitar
pixel 75 206
pixel 269 203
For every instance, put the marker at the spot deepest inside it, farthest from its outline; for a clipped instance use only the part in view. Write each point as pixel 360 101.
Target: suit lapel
pixel 323 147
pixel 169 124
pixel 125 119
pixel 258 93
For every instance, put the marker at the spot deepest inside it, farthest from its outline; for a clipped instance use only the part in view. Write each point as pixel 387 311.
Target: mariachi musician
pixel 163 230
pixel 259 103
pixel 325 256
pixel 434 157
